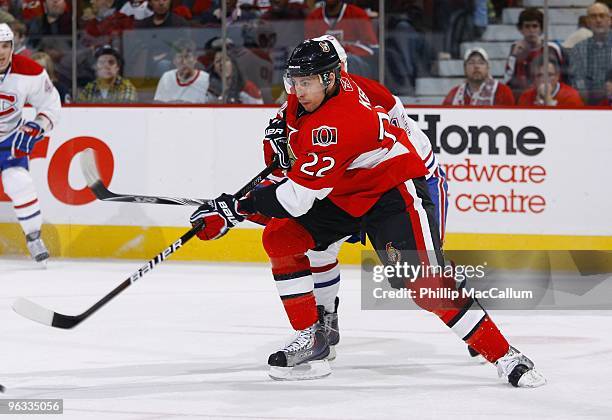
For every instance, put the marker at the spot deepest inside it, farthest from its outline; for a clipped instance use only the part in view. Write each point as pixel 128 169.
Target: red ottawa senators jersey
pixel 377 93
pixel 347 151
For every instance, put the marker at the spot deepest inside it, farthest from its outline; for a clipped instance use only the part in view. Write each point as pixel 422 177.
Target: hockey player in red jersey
pixel 347 168
pixel 324 263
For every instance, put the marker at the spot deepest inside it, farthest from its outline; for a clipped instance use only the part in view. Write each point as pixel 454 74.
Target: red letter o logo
pixel 60 166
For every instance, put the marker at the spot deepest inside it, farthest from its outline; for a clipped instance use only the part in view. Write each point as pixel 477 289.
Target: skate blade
pixel 312 370
pixel 42 265
pixel 532 379
pixel 332 353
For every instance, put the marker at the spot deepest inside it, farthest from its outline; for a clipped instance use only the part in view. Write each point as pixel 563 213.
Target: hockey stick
pixel 94 182
pixel 35 312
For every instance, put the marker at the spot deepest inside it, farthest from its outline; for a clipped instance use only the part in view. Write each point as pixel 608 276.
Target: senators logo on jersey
pixel 346 85
pixel 7 104
pixel 324 136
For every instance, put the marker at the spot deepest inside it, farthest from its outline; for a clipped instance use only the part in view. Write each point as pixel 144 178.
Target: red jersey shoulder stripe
pixel 25 66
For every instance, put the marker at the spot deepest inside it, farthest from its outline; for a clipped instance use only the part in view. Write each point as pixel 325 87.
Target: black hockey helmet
pixel 314 57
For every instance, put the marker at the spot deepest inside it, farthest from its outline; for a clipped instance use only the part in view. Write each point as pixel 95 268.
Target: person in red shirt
pixel 350 25
pixel 479 88
pixel 522 52
pixel 31 9
pixel 348 169
pixel 557 94
pixel 104 23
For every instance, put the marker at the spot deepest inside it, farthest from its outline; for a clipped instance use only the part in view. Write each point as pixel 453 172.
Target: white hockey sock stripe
pixel 295 286
pixel 465 323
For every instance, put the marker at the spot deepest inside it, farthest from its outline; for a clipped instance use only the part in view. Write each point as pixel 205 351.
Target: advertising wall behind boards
pixel 539 175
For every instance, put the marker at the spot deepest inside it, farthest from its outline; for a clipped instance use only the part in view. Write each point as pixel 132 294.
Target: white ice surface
pixel 192 340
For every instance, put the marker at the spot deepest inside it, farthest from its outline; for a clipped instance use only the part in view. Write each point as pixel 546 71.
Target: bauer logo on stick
pixel 324 136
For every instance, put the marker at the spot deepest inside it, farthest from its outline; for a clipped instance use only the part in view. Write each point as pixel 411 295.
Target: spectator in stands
pixel 556 94
pixel 591 59
pixel 351 26
pixel 20 42
pixel 196 8
pixel 479 88
pixel 5 12
pixel 186 83
pixel 109 86
pixel 607 101
pixel 60 51
pixel 237 89
pixel 285 10
pixel 583 32
pixel 138 9
pixel 408 55
pixel 254 57
pixel 45 61
pixel 154 56
pixel 524 51
pixel 162 16
pixel 235 13
pixel 55 21
pixel 31 9
pixel 104 22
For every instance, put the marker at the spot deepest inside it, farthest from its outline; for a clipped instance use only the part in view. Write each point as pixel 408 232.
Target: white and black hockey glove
pixel 220 215
pixel 276 135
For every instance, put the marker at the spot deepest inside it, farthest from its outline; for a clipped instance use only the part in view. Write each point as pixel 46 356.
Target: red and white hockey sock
pixel 463 315
pixel 19 186
pixel 295 285
pixel 286 243
pixel 474 326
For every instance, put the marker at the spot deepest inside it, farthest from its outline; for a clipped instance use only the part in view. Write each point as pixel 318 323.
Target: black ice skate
pixel 519 370
pixel 37 247
pixel 330 327
pixel 303 358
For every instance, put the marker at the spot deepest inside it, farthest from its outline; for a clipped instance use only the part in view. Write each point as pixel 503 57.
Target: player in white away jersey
pixel 23 81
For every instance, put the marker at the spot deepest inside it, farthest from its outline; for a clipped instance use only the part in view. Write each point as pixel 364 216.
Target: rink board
pixel 518 179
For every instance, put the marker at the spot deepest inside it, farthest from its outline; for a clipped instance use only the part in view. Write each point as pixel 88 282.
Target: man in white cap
pixel 22 81
pixel 479 89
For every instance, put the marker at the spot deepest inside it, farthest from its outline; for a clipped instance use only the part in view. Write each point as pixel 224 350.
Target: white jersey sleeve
pixel 45 99
pixel 419 139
